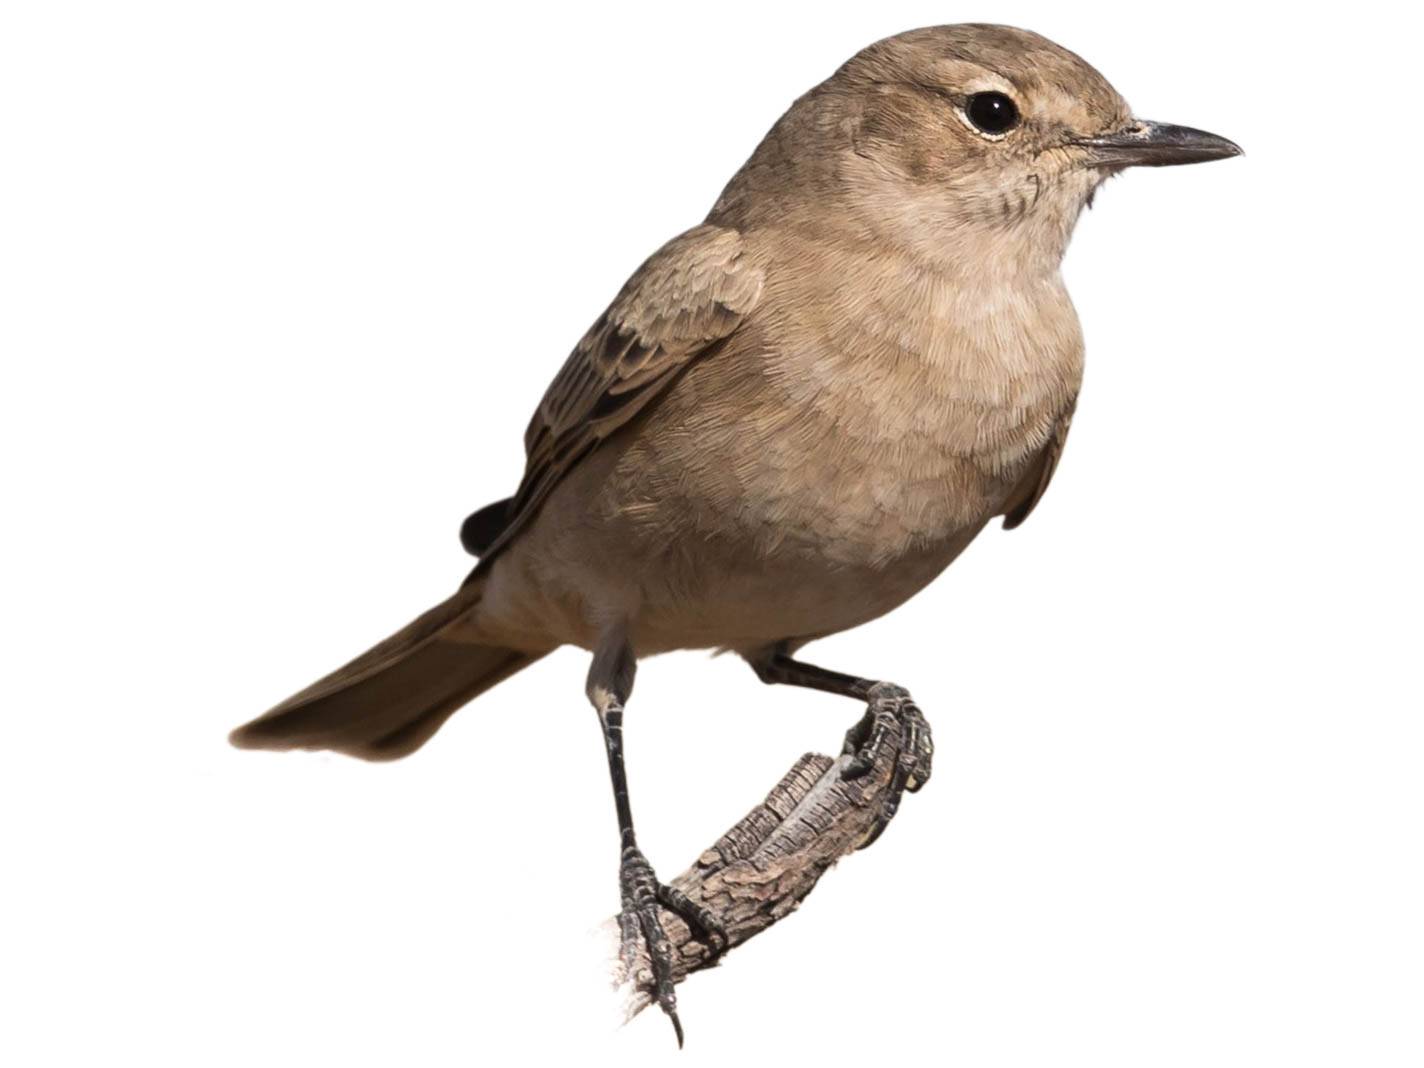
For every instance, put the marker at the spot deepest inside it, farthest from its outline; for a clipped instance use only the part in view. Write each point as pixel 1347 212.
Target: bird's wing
pixel 1035 484
pixel 683 303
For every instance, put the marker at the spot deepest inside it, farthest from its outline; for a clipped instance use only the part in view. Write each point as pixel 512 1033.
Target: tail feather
pixel 390 700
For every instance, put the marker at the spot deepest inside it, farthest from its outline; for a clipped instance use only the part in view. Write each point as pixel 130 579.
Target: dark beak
pixel 1156 144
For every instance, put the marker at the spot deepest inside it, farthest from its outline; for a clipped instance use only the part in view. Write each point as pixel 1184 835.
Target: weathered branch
pixel 760 870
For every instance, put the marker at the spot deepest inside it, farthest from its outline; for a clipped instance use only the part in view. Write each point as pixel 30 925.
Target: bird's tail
pixel 389 700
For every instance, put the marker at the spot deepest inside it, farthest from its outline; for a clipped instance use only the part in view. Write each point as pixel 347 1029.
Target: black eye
pixel 994 113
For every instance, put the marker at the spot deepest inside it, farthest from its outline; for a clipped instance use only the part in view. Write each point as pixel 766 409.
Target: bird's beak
pixel 1156 144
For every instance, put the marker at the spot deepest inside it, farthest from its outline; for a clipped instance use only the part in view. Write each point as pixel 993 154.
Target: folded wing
pixel 681 305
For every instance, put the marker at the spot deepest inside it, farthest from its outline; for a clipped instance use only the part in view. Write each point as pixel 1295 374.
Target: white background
pixel 281 283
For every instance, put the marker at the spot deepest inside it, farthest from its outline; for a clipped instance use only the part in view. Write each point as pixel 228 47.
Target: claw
pixel 642 895
pixel 705 926
pixel 892 719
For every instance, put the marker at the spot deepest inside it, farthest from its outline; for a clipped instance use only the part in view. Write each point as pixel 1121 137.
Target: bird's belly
pixel 785 535
pixel 743 553
pixel 746 600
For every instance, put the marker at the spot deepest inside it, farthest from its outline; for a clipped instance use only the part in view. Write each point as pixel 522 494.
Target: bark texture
pixel 760 870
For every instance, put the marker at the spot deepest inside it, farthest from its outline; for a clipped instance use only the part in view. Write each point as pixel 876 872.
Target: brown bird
pixel 791 418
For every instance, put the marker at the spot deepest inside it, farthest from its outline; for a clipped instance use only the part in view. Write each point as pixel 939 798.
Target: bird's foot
pixel 894 726
pixel 639 920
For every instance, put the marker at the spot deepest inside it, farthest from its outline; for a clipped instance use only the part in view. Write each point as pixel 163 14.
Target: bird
pixel 790 419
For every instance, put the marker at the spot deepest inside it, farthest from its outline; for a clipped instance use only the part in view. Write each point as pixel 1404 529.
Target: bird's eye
pixel 994 113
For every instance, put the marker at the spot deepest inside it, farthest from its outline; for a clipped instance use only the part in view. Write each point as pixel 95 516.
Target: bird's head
pixel 972 133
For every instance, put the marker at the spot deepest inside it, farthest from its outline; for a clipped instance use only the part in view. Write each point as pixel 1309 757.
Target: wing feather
pixel 1033 488
pixel 688 298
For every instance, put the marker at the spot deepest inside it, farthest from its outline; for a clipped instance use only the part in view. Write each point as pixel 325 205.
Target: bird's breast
pixel 903 407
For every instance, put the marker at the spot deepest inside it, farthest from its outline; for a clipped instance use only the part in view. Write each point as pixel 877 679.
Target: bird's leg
pixel 891 718
pixel 610 682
